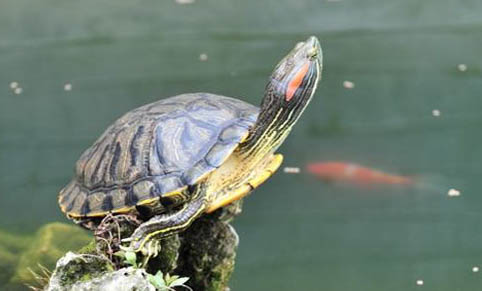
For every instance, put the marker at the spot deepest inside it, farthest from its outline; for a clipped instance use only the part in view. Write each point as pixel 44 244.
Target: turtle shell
pixel 156 150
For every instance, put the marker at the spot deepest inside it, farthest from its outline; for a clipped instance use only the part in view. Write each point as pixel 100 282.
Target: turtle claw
pixel 151 249
pixel 148 248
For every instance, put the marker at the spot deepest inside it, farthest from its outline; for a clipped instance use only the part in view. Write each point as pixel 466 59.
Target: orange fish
pixel 355 174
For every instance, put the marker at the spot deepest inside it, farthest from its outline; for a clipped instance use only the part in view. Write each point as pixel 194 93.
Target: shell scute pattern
pixel 156 149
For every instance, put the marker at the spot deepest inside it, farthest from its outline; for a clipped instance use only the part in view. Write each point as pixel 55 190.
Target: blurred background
pixel 400 93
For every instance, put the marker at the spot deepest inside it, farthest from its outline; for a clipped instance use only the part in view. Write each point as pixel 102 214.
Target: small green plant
pixel 130 258
pixel 167 282
pixel 159 280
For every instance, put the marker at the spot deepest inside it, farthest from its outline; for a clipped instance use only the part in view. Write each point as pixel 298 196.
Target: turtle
pixel 190 154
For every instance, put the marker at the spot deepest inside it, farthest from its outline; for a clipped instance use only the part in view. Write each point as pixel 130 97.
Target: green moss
pixel 8 260
pixel 166 261
pixel 50 243
pixel 14 243
pixel 10 247
pixel 208 253
pixel 90 248
pixel 80 268
pixel 220 275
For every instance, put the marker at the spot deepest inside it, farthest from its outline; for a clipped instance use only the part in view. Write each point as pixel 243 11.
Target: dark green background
pixel 296 233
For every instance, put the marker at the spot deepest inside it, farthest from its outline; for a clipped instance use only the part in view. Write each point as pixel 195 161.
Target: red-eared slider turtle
pixel 191 154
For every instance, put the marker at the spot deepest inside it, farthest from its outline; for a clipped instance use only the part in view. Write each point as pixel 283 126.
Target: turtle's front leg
pixel 160 226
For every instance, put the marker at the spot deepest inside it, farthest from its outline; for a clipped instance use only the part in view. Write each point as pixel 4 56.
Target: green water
pixel 296 233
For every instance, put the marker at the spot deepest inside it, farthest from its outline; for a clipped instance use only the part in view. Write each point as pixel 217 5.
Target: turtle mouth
pixel 309 49
pixel 313 48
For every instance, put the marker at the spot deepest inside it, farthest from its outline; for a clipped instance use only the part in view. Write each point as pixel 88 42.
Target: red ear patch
pixel 296 81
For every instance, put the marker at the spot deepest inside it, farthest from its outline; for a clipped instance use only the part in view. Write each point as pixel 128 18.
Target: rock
pixel 73 269
pixel 50 243
pixel 207 254
pixel 80 272
pixel 126 279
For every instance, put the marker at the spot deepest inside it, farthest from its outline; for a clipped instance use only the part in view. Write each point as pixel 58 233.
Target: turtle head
pixel 289 90
pixel 294 81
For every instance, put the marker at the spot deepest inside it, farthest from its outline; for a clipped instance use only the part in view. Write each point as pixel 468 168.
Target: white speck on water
pixel 18 91
pixel 13 85
pixel 462 67
pixel 453 193
pixel 419 282
pixel 436 112
pixel 348 84
pixel 475 269
pixel 68 87
pixel 291 170
pixel 203 57
pixel 184 1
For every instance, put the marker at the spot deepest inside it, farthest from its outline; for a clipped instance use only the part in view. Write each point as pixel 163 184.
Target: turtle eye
pixel 295 81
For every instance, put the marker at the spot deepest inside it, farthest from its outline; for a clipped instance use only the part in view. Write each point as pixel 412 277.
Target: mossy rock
pixel 50 243
pixel 77 268
pixel 207 254
pixel 167 259
pixel 126 279
pixel 89 249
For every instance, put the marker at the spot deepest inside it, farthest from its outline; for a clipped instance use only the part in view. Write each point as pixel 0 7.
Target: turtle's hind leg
pixel 164 225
